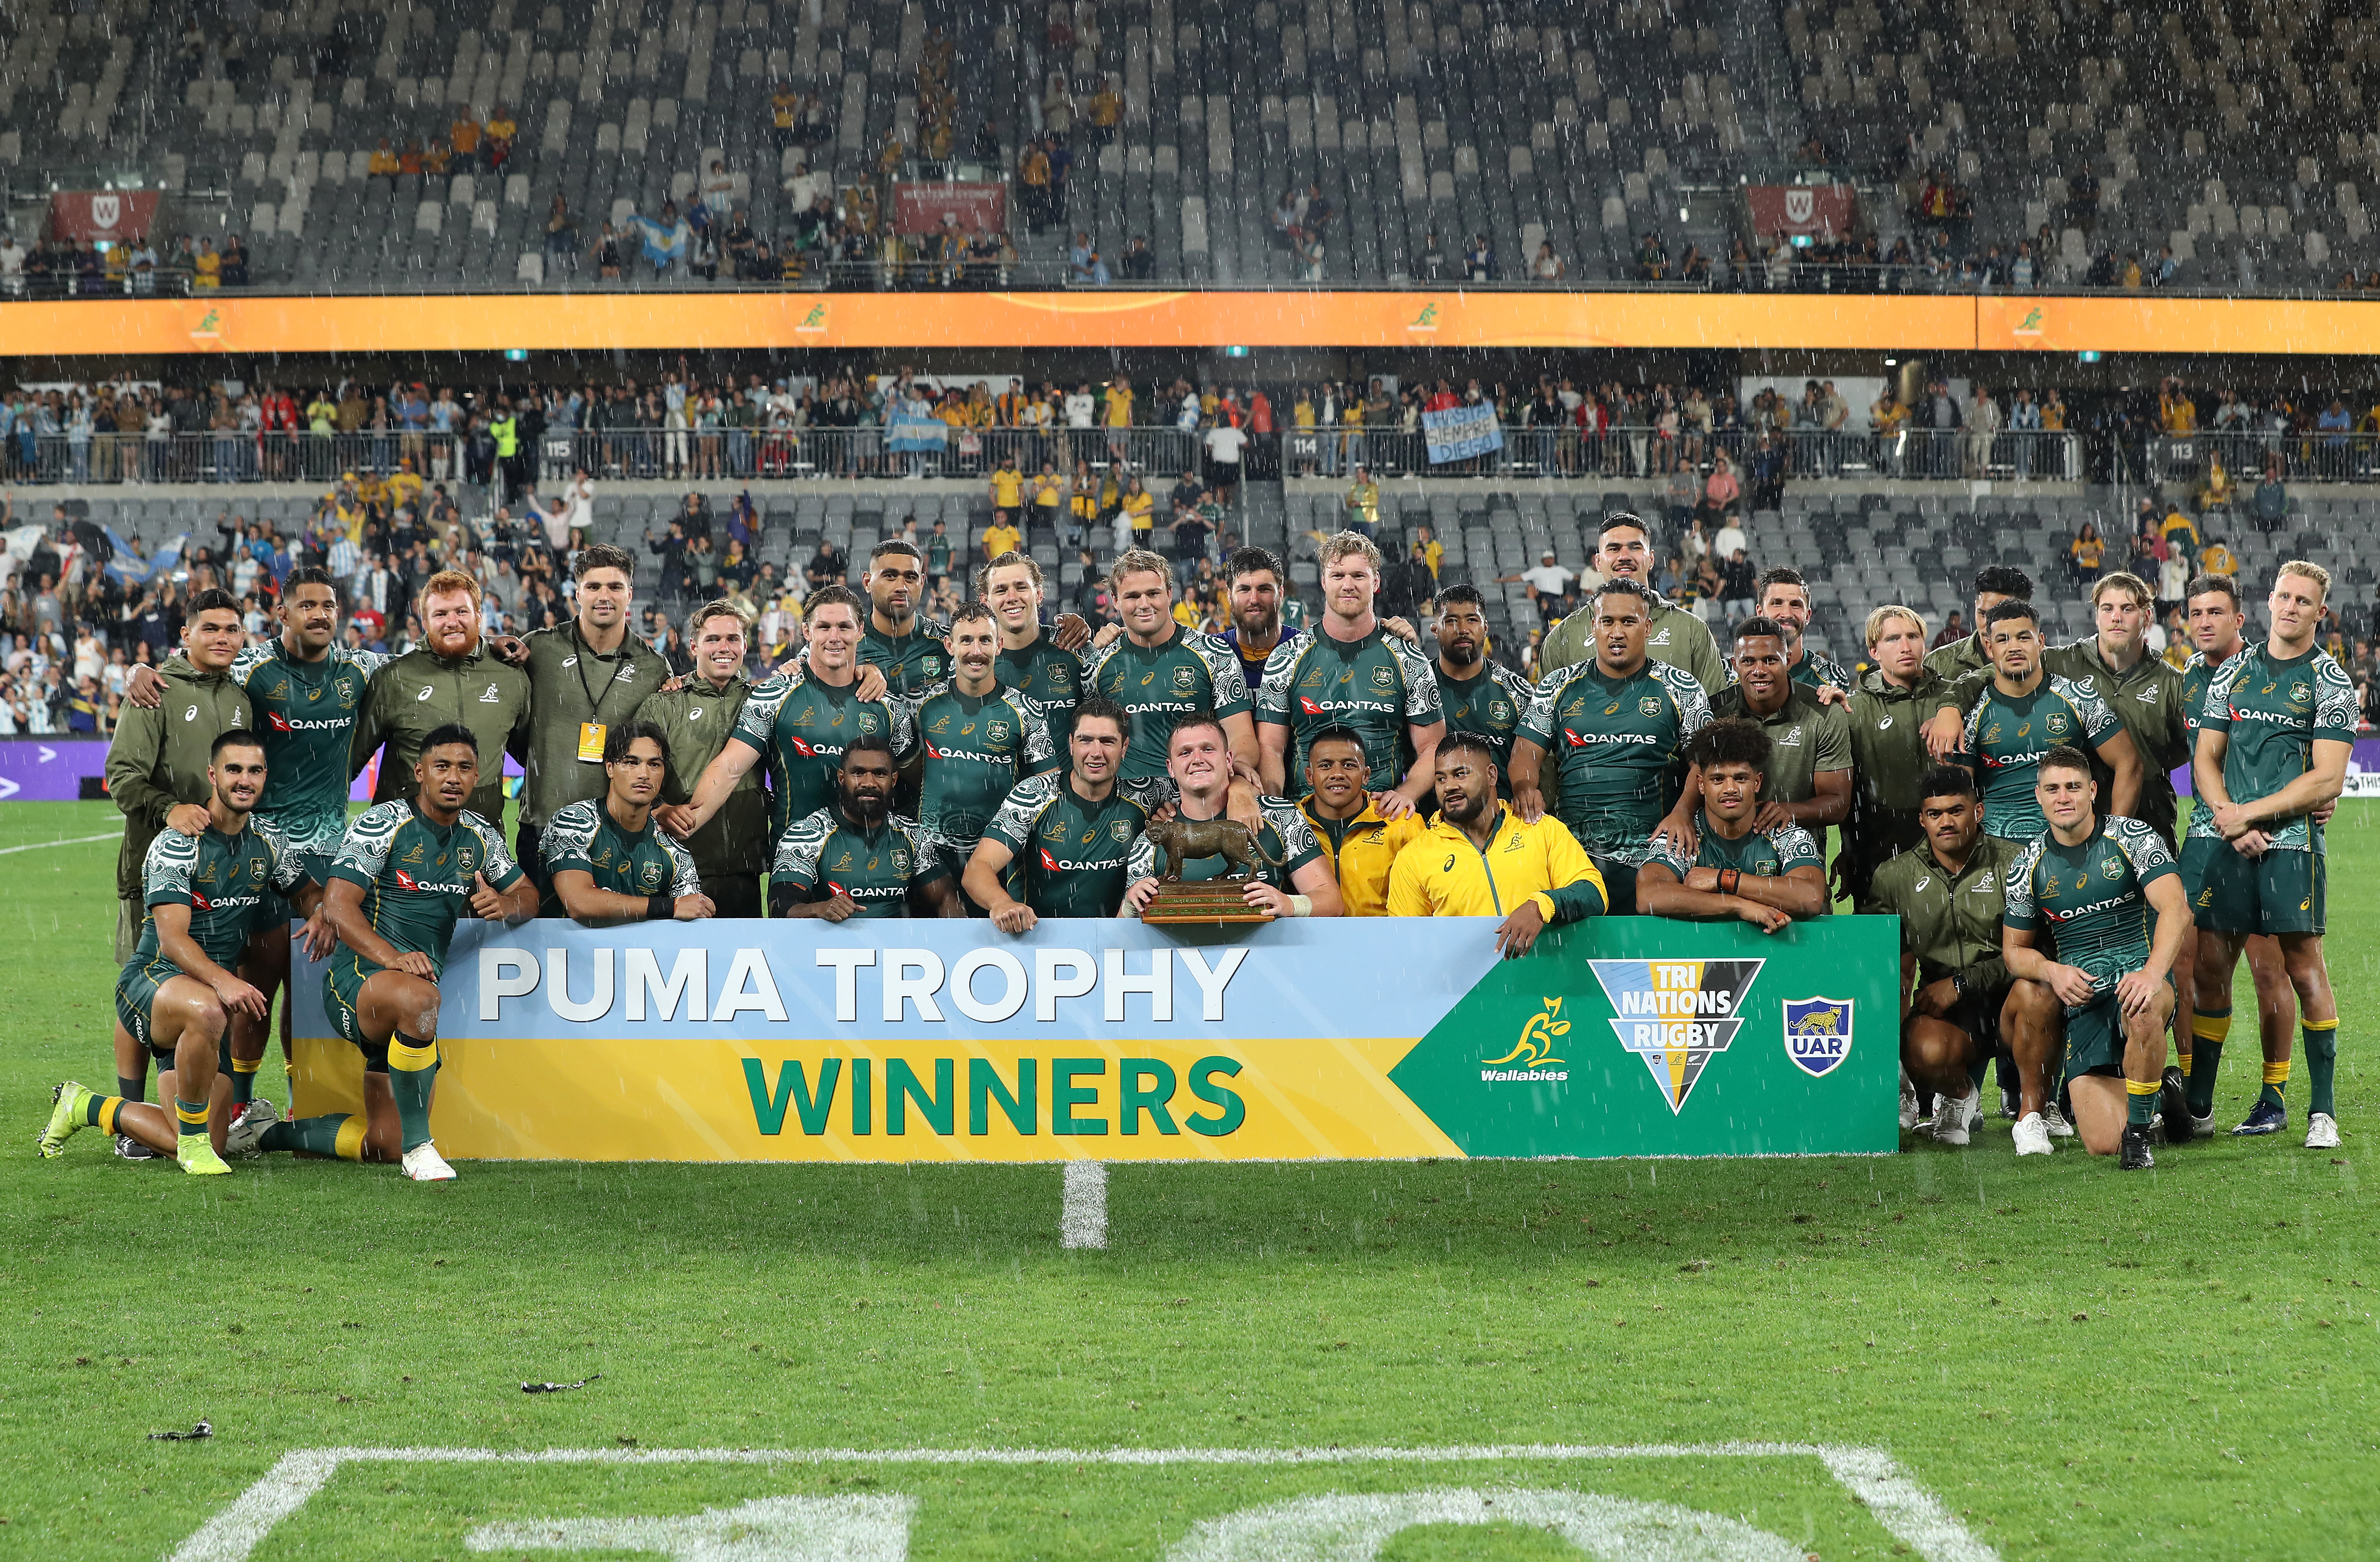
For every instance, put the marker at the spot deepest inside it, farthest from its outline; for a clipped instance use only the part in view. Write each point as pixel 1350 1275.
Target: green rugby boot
pixel 69 1104
pixel 198 1156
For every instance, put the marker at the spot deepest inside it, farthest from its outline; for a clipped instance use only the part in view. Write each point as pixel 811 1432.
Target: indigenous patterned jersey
pixel 306 715
pixel 1491 704
pixel 1072 855
pixel 2092 897
pixel 2275 709
pixel 2199 675
pixel 911 662
pixel 803 725
pixel 1767 853
pixel 1817 667
pixel 1616 744
pixel 583 837
pixel 417 875
pixel 222 879
pixel 1380 685
pixel 1160 684
pixel 977 747
pixel 874 869
pixel 1051 678
pixel 2152 701
pixel 1286 838
pixel 2007 735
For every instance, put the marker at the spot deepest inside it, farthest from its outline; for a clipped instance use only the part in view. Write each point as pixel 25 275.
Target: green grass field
pixel 2074 1364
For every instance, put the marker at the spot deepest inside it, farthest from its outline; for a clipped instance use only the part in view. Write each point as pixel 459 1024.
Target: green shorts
pixel 2094 1037
pixel 278 911
pixel 343 996
pixel 1619 884
pixel 2283 891
pixel 136 996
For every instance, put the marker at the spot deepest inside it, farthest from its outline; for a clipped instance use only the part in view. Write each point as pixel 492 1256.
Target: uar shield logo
pixel 1817 1034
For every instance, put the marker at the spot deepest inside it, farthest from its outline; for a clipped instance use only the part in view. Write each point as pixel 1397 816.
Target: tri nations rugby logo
pixel 1676 1015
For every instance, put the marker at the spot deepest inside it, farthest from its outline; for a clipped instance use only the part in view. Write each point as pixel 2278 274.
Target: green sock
pixel 2208 1028
pixel 134 1087
pixel 99 1112
pixel 412 1066
pixel 317 1136
pixel 2321 1044
pixel 2276 1081
pixel 190 1116
pixel 241 1071
pixel 2140 1102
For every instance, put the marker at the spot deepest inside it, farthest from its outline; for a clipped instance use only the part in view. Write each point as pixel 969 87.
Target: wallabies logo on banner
pixel 1817 1034
pixel 1676 1015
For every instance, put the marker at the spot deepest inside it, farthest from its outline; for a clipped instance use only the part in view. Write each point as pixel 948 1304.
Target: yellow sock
pixel 350 1146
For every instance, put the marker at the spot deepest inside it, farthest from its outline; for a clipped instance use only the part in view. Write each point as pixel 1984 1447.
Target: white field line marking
pixel 860 1528
pixel 1353 1526
pixel 70 840
pixel 1083 1223
pixel 1905 1509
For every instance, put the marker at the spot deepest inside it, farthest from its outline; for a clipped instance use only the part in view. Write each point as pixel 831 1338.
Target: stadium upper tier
pixel 1581 143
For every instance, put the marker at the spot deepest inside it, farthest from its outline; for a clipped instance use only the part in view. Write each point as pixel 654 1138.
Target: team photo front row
pixel 2008 800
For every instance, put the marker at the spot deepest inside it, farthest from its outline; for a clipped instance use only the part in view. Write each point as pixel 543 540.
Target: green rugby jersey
pixel 1491 704
pixel 1951 922
pixel 802 726
pixel 1158 685
pixel 1805 738
pixel 306 715
pixel 2273 710
pixel 1817 667
pixel 823 852
pixel 2198 674
pixel 2093 898
pixel 1616 746
pixel 1051 678
pixel 583 837
pixel 974 749
pixel 1380 685
pixel 696 722
pixel 2152 702
pixel 1287 834
pixel 417 876
pixel 2008 734
pixel 222 879
pixel 1768 853
pixel 1073 857
pixel 911 663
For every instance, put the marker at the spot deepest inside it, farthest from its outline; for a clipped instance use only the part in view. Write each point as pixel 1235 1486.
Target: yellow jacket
pixel 1441 873
pixel 1362 861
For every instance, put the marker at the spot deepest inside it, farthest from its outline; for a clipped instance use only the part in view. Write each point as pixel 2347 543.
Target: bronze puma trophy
pixel 1215 900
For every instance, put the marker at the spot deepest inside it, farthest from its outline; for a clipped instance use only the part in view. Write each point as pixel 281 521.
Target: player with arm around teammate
pixel 1062 845
pixel 1768 877
pixel 606 861
pixel 204 893
pixel 2107 892
pixel 405 875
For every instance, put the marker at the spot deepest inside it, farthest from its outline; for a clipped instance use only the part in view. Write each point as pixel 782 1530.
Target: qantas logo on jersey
pixel 802 749
pixel 426 886
pixel 947 752
pixel 1588 740
pixel 306 723
pixel 1049 863
pixel 2068 914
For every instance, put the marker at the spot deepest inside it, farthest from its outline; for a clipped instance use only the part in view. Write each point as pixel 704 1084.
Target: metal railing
pixel 1632 452
pixel 2300 455
pixel 164 282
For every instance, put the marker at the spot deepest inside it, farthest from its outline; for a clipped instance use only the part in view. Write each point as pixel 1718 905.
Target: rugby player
pixel 897 640
pixel 1068 834
pixel 1995 584
pixel 204 894
pixel 446 681
pixel 1031 661
pixel 2022 714
pixel 1482 858
pixel 976 739
pixel 1808 777
pixel 1768 874
pixel 1350 671
pixel 2106 891
pixel 2273 745
pixel 1784 600
pixel 1950 893
pixel 1358 844
pixel 1476 694
pixel 800 721
pixel 583 677
pixel 405 873
pixel 855 856
pixel 1617 727
pixel 605 863
pixel 731 853
pixel 1888 753
pixel 2215 622
pixel 1673 637
pixel 1259 593
pixel 1158 672
pixel 1293 880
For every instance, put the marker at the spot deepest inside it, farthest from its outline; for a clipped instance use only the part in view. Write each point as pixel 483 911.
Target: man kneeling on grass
pixel 2107 893
pixel 1766 877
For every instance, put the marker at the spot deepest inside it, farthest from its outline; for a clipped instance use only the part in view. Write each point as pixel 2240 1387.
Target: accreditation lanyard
pixel 592 731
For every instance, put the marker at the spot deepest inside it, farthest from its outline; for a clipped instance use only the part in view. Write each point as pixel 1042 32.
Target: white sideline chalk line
pixel 70 840
pixel 1083 1221
pixel 1907 1510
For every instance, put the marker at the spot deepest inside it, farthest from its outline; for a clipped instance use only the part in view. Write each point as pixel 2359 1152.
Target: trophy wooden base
pixel 1213 901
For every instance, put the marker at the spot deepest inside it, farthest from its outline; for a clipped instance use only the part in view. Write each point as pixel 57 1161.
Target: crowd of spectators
pixel 60 268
